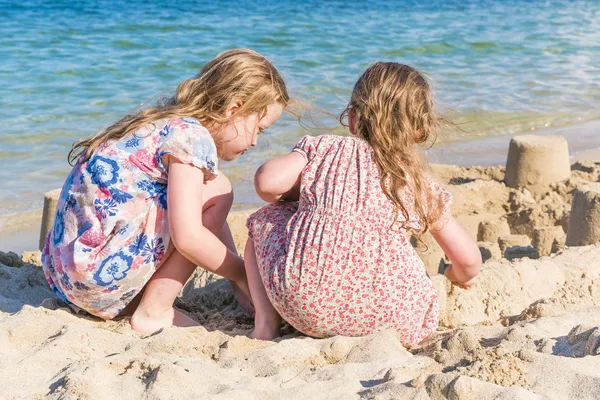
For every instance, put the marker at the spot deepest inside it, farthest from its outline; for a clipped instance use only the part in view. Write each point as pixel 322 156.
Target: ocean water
pixel 70 68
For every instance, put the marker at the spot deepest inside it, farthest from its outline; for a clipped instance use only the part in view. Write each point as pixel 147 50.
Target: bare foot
pixel 144 323
pixel 242 298
pixel 266 331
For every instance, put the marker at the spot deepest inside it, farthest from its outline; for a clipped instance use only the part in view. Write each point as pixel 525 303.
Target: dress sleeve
pixel 191 144
pixel 440 195
pixel 307 146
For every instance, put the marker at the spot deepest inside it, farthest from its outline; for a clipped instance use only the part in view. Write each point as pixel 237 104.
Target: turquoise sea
pixel 70 68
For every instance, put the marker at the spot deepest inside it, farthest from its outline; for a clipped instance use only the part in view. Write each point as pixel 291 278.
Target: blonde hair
pixel 241 74
pixel 392 108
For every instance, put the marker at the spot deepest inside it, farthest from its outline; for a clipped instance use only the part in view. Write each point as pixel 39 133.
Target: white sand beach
pixel 530 329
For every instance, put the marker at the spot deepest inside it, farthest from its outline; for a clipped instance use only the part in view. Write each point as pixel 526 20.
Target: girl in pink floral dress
pixel 145 202
pixel 331 255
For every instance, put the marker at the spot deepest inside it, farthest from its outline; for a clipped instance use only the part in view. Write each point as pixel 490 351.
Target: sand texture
pixel 530 329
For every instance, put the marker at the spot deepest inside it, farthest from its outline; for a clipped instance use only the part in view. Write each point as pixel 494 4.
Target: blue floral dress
pixel 111 231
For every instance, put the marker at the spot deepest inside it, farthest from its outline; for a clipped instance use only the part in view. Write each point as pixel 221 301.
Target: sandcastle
pixel 535 161
pixel 540 189
pixel 584 219
pixel 50 203
pixel 548 239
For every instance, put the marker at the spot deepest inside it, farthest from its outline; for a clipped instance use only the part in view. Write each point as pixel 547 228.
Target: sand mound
pixel 506 288
pixel 547 347
pixel 483 204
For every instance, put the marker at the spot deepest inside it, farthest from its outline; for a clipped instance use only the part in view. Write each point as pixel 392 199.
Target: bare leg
pixel 227 238
pixel 133 304
pixel 156 310
pixel 240 294
pixel 267 321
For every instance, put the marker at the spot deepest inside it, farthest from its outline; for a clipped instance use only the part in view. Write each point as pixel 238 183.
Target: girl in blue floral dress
pixel 145 202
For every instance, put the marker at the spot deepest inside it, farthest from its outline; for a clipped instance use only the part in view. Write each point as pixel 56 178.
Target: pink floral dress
pixel 330 263
pixel 110 230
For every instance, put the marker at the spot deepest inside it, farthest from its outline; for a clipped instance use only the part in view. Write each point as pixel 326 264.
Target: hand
pixel 450 274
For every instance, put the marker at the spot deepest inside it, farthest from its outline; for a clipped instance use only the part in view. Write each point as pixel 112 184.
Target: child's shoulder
pixel 167 127
pixel 320 146
pixel 183 124
pixel 185 121
pixel 330 139
pixel 323 142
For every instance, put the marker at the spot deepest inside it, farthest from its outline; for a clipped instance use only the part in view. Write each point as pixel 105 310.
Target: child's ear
pixel 233 107
pixel 352 122
pixel 419 135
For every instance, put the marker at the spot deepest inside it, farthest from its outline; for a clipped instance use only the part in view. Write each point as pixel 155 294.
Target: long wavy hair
pixel 392 108
pixel 241 74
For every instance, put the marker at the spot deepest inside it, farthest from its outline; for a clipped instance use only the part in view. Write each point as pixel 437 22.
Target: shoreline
pixel 583 139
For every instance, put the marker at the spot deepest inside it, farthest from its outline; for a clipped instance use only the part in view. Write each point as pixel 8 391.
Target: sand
pixel 530 329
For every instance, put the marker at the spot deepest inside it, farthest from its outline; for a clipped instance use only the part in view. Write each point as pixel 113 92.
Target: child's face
pixel 242 132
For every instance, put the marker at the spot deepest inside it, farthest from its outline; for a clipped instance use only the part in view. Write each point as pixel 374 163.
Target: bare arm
pixel 190 237
pixel 460 249
pixel 279 178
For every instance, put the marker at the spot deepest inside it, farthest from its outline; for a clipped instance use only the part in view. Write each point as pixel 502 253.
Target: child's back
pixel 337 266
pixel 112 215
pixel 339 261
